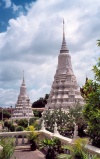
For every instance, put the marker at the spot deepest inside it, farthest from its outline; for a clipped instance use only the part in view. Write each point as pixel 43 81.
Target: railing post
pixel 55 129
pixel 22 139
pixel 75 133
pixel 42 125
pixel 16 142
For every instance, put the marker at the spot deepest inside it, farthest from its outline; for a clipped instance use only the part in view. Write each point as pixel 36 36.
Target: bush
pixel 19 128
pixel 12 128
pixel 8 124
pixel 8 148
pixel 37 113
pixel 23 123
pixel 32 120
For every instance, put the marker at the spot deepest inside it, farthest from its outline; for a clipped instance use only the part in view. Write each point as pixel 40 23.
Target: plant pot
pixel 78 157
pixel 33 146
pixel 50 154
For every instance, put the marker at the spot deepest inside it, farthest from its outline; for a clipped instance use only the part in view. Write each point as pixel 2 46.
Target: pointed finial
pixel 64 48
pixel 63 29
pixel 23 78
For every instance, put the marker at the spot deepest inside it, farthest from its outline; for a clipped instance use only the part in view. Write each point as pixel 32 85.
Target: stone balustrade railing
pixel 20 135
pixel 46 134
pixel 67 141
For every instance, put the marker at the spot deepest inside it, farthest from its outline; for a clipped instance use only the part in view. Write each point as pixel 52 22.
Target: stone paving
pixel 25 153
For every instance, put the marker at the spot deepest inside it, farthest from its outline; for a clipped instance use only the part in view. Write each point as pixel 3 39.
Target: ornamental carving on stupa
pixel 23 107
pixel 65 91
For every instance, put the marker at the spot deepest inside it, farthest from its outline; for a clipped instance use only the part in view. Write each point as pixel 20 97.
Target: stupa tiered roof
pixel 64 90
pixel 23 107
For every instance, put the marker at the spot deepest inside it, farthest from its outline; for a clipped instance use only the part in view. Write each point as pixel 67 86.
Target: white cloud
pixel 32 43
pixel 16 8
pixel 7 3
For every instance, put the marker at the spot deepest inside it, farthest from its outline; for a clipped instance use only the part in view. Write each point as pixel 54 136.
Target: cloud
pixel 7 3
pixel 17 8
pixel 32 43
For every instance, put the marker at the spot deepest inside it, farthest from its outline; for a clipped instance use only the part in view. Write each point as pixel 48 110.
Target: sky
pixel 30 40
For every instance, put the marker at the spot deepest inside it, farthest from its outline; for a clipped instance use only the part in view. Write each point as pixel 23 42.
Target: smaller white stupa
pixel 23 107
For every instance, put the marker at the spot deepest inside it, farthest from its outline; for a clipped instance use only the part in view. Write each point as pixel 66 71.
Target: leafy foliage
pixel 32 120
pixel 91 94
pixel 8 148
pixel 98 42
pixel 47 143
pixel 23 122
pixel 65 120
pixel 6 114
pixel 32 135
pixel 37 113
pixel 53 147
pixel 19 128
pixel 41 102
pixel 9 125
pixel 12 128
pixel 78 150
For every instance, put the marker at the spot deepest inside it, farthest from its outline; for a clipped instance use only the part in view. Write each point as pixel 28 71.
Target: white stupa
pixel 23 107
pixel 64 90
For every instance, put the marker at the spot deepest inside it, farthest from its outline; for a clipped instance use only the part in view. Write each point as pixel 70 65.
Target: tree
pixel 6 114
pixel 41 102
pixel 37 113
pixel 9 124
pixel 76 116
pixel 64 124
pixel 98 42
pixel 91 112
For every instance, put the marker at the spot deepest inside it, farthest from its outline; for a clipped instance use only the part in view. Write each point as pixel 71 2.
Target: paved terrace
pixel 23 152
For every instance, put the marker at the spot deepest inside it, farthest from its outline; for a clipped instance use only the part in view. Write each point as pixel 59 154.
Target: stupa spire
pixel 64 48
pixel 23 81
pixel 23 107
pixel 63 29
pixel 64 90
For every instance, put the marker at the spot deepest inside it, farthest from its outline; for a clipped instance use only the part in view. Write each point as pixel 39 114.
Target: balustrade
pixel 20 138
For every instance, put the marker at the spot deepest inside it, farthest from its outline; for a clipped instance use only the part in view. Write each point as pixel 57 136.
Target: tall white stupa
pixel 64 90
pixel 23 107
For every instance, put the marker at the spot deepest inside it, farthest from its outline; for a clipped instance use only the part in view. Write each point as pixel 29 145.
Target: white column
pixel 28 110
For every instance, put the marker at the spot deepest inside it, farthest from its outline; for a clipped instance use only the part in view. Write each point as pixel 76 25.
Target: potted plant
pixel 32 137
pixel 77 150
pixel 53 147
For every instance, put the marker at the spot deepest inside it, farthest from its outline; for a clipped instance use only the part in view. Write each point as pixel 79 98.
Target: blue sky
pixel 7 11
pixel 30 40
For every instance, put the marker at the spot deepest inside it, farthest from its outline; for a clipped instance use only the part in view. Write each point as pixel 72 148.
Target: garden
pixel 85 118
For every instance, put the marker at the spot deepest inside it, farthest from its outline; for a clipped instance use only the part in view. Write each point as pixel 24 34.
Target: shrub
pixel 32 120
pixel 12 128
pixel 8 148
pixel 19 128
pixel 23 123
pixel 7 124
pixel 37 113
